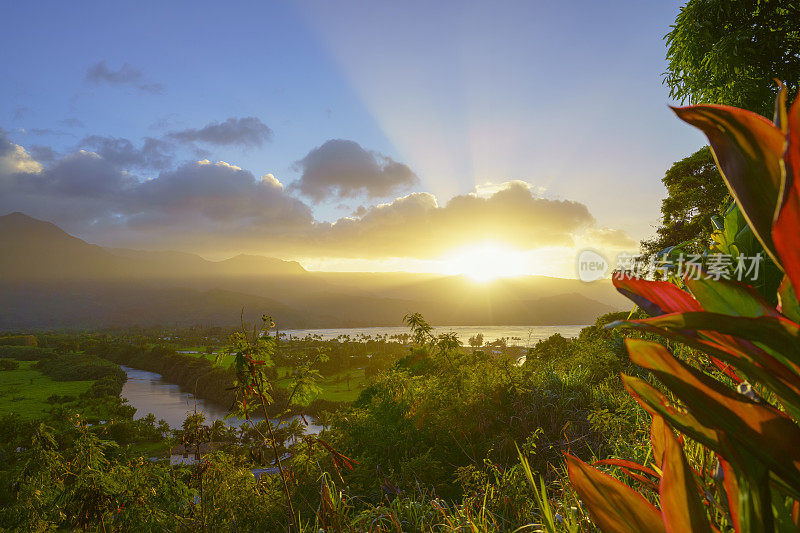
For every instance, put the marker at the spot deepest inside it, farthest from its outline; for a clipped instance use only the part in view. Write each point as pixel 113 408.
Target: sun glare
pixel 483 262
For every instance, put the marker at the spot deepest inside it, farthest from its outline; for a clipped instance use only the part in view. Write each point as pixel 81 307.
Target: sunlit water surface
pixel 526 335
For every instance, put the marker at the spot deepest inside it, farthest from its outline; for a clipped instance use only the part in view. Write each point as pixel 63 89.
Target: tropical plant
pixel 744 419
pixel 729 52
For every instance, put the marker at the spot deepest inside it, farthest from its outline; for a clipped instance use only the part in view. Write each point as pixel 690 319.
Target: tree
pixel 476 341
pixel 727 52
pixel 695 193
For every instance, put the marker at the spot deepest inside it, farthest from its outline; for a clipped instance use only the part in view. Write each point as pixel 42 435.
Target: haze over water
pixel 528 335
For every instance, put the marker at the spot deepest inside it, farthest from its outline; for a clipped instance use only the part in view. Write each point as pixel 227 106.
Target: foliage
pixel 8 364
pixel 25 353
pixel 695 192
pixel 19 340
pixel 730 52
pixel 752 431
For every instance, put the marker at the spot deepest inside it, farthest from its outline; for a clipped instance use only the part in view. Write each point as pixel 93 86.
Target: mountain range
pixel 50 279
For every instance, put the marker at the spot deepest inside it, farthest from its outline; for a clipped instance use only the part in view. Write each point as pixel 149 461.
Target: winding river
pixel 149 393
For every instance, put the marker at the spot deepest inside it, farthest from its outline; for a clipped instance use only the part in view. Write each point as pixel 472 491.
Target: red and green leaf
pixel 680 504
pixel 748 149
pixel 789 304
pixel 786 231
pixel 614 506
pixel 655 297
pixel 766 433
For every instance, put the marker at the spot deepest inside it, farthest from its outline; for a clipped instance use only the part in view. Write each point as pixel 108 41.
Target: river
pixel 149 393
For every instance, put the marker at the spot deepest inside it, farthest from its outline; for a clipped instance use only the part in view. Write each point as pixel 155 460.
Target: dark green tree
pixel 695 192
pixel 726 52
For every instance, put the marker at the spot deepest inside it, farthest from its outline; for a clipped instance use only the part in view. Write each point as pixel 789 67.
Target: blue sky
pixel 564 96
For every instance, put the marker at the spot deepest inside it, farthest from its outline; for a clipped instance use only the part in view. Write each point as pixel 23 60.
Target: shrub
pixel 19 340
pixel 7 364
pixel 25 353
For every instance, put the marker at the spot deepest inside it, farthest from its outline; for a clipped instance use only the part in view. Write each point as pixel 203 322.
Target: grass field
pixel 25 391
pixel 334 388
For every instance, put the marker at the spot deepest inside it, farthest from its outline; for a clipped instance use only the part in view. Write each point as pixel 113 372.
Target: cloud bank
pixel 116 193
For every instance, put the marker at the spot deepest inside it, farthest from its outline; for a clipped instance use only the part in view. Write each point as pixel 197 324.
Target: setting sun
pixel 487 261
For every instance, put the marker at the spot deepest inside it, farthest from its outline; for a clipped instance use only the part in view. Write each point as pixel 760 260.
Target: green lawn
pixel 334 388
pixel 25 391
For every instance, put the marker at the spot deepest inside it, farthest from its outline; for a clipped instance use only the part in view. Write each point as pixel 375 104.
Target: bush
pixel 25 353
pixel 57 398
pixel 75 367
pixel 7 364
pixel 19 340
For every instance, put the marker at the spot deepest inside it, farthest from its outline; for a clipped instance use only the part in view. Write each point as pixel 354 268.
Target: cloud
pixel 343 169
pixel 100 73
pixel 46 132
pixel 42 153
pixel 14 159
pixel 221 192
pixel 71 123
pixel 610 238
pixel 416 226
pixel 154 153
pixel 246 132
pixel 217 207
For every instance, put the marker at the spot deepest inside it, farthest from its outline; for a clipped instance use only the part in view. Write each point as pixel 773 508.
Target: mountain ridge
pixel 49 278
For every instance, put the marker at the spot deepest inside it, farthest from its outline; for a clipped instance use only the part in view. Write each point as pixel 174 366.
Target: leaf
pixel 747 482
pixel 786 232
pixel 656 403
pixel 655 297
pixel 732 490
pixel 748 149
pixel 779 375
pixel 641 479
pixel 729 297
pixel 614 506
pixel 787 299
pixel 624 463
pixel 680 504
pixel 763 431
pixel 657 429
pixel 781 337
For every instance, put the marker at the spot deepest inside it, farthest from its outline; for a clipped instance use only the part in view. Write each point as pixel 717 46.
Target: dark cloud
pixel 127 74
pixel 343 169
pixel 71 123
pixel 46 131
pixel 246 132
pixel 42 153
pixel 220 208
pixel 153 154
pixel 6 146
pixel 222 193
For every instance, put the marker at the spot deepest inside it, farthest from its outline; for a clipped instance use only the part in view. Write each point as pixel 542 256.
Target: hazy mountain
pixel 181 264
pixel 51 279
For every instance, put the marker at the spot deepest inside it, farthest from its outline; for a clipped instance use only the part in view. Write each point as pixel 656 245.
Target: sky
pixel 417 136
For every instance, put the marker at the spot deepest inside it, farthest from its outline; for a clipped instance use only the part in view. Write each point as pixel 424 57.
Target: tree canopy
pixel 726 52
pixel 695 192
